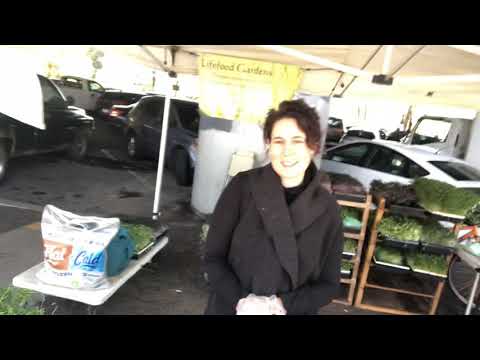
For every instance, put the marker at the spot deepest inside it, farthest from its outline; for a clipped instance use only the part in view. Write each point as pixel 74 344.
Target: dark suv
pixel 66 128
pixel 144 129
pixel 335 129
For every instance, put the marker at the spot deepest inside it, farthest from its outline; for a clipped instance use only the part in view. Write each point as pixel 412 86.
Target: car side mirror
pixel 70 100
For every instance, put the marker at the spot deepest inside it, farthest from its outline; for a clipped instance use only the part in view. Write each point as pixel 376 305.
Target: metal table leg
pixel 472 293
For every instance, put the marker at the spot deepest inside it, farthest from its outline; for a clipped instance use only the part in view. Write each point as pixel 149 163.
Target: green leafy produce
pixel 459 201
pixel 430 193
pixel 394 193
pixel 142 235
pixel 437 196
pixel 401 228
pixel 16 302
pixel 436 264
pixel 346 266
pixel 389 255
pixel 351 217
pixel 472 217
pixel 436 234
pixel 350 246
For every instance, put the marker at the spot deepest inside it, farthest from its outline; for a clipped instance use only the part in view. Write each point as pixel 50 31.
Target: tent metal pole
pixel 317 60
pixel 161 156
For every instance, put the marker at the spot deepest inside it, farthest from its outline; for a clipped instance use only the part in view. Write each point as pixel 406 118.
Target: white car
pixel 85 92
pixel 391 161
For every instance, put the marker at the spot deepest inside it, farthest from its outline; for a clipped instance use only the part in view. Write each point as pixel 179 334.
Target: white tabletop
pixel 28 280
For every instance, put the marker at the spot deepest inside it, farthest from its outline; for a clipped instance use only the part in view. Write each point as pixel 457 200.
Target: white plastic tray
pixel 28 280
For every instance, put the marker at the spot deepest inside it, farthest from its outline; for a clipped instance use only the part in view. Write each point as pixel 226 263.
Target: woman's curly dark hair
pixel 306 117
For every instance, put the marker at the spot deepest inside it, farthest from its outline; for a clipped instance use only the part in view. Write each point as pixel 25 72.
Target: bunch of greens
pixel 437 196
pixel 389 255
pixel 16 302
pixel 351 217
pixel 141 235
pixel 401 228
pixel 347 266
pixel 394 193
pixel 430 193
pixel 472 217
pixel 434 233
pixel 350 246
pixel 436 264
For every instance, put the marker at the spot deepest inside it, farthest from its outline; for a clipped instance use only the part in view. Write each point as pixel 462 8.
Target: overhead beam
pixel 441 79
pixel 472 49
pixel 317 60
pixel 387 59
pixel 154 58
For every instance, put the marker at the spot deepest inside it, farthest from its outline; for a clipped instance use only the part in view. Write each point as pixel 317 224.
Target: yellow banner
pixel 244 90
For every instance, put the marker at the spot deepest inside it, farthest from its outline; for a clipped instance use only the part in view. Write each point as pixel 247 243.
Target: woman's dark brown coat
pixel 257 244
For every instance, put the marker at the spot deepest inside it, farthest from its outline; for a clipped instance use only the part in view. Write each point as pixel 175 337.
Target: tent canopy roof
pixel 422 74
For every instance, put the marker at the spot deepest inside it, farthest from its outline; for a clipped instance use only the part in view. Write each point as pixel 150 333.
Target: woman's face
pixel 288 152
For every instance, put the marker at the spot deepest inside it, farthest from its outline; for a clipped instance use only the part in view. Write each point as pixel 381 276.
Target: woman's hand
pixel 278 308
pixel 260 305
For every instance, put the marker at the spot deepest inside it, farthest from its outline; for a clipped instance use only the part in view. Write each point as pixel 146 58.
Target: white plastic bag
pixel 260 305
pixel 75 248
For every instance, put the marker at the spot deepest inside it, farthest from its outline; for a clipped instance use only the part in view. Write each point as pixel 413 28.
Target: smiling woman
pixel 276 238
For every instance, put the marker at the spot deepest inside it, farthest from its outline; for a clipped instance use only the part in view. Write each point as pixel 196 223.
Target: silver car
pixel 390 161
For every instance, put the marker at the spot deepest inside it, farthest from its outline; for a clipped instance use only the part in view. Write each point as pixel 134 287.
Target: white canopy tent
pixel 415 74
pixel 422 74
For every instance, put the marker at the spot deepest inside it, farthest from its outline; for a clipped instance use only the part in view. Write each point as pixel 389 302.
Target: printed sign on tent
pixel 244 90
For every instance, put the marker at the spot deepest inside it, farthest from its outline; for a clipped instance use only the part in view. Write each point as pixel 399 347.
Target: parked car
pixel 144 130
pixel 335 129
pixel 84 92
pixel 357 133
pixel 390 161
pixel 104 108
pixel 67 128
pixel 118 115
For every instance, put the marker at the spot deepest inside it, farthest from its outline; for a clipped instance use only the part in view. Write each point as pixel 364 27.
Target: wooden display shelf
pixel 363 202
pixel 368 264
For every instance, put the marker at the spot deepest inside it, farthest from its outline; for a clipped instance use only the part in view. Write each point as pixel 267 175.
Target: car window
pixel 96 87
pixel 335 123
pixel 173 118
pixel 50 92
pixel 72 83
pixel 415 171
pixel 152 111
pixel 352 154
pixel 458 171
pixel 188 114
pixel 393 163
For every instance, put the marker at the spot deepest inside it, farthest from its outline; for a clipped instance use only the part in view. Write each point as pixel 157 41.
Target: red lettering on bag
pixel 56 254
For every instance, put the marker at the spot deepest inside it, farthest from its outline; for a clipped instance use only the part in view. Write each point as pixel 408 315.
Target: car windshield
pixel 457 170
pixel 335 123
pixel 431 131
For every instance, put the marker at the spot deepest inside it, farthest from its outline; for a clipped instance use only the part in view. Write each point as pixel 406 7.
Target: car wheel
pixel 134 149
pixel 182 168
pixel 78 148
pixel 3 161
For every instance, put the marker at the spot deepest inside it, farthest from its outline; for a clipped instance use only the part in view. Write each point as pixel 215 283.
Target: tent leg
pixel 161 156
